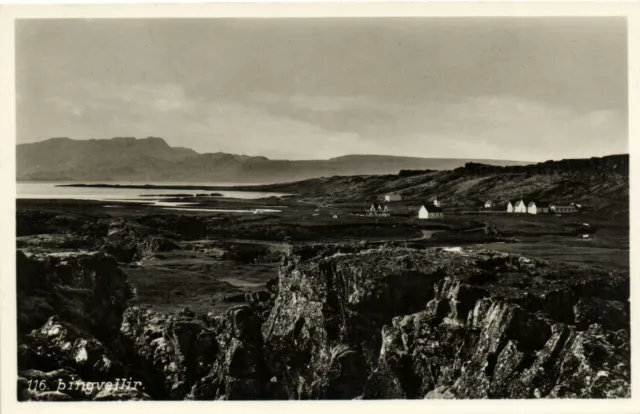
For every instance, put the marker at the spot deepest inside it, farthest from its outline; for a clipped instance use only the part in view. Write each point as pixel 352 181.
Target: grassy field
pixel 194 278
pixel 567 251
pixel 189 278
pixel 561 238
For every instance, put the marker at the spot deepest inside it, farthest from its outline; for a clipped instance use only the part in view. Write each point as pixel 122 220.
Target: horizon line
pixel 315 159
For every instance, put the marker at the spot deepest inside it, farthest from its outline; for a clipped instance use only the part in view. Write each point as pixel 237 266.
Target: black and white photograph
pixel 325 208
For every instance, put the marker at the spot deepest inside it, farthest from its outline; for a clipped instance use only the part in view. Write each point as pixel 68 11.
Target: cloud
pixel 333 113
pixel 137 97
pixel 63 105
pixel 206 125
pixel 233 127
pixel 163 98
pixel 303 126
pixel 512 127
pixel 315 103
pixel 437 87
pixel 468 127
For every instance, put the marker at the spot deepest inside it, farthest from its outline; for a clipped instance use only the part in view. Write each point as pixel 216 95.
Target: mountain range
pixel 152 159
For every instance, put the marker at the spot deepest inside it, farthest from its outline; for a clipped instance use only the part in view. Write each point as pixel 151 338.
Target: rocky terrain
pixel 339 322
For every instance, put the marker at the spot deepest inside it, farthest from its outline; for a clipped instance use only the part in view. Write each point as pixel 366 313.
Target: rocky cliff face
pixel 69 315
pixel 345 322
pixel 89 291
pixel 402 323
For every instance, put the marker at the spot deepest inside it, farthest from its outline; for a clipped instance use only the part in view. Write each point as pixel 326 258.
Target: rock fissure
pixel 340 323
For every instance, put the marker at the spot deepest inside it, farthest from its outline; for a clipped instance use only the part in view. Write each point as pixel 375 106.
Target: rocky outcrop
pixel 501 352
pixel 403 323
pixel 88 291
pixel 611 314
pixel 213 357
pixel 340 322
pixel 170 351
pixel 64 345
pixel 324 329
pixel 239 371
pixel 59 362
pixel 69 315
pixel 127 250
pixel 82 337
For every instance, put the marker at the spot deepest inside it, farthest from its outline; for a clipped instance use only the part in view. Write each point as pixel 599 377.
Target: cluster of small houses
pixel 426 211
pixel 534 207
pixel 434 210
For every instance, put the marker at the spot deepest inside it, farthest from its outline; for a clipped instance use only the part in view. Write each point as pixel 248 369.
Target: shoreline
pixel 246 187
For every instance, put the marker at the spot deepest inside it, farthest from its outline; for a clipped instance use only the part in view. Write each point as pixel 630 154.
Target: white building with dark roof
pixel 537 207
pixel 392 197
pixel 428 211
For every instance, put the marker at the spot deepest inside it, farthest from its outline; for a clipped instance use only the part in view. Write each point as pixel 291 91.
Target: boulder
pixel 63 345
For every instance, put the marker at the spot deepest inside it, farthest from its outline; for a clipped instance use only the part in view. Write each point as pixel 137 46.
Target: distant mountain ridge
pixel 599 182
pixel 152 159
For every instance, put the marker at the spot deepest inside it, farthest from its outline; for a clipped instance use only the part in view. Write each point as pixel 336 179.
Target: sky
pixel 529 89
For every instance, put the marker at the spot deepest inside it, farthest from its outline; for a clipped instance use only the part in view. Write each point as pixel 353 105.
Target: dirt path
pixel 426 234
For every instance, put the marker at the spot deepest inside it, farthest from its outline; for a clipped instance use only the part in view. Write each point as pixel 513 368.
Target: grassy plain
pixel 199 276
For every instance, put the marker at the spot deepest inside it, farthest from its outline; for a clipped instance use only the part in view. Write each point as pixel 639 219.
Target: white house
pixel 537 207
pixel 510 206
pixel 520 206
pixel 429 212
pixel 436 202
pixel 563 208
pixel 392 197
pixel 488 204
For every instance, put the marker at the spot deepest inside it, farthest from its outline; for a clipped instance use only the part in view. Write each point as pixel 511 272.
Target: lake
pixel 153 196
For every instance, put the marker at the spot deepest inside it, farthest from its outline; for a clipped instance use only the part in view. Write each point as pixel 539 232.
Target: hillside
pixel 152 159
pixel 597 182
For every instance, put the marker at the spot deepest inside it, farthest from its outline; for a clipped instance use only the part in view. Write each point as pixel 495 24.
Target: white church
pixel 428 211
